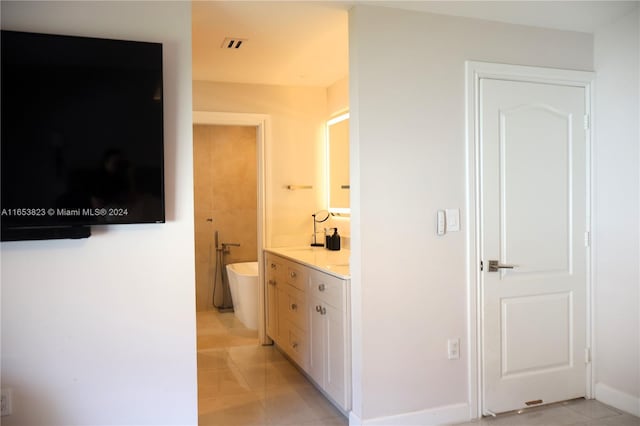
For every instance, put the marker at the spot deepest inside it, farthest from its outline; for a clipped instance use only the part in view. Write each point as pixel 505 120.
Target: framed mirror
pixel 338 164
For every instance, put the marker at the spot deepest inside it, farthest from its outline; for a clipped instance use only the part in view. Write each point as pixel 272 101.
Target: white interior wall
pixel 102 331
pixel 338 97
pixel 409 289
pixel 617 213
pixel 294 156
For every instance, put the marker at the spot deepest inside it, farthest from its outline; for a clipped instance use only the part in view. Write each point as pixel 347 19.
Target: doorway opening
pixel 225 208
pixel 229 154
pixel 242 379
pixel 225 231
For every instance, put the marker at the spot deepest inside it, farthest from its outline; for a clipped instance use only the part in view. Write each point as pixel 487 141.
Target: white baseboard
pixel 618 399
pixel 448 414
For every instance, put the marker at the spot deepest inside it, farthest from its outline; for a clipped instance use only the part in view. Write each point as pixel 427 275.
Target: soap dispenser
pixel 334 240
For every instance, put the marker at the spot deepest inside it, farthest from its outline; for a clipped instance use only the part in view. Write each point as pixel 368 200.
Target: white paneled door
pixel 533 228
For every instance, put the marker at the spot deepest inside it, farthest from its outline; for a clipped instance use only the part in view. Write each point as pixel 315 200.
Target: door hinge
pixel 481 266
pixel 587 355
pixel 587 122
pixel 587 239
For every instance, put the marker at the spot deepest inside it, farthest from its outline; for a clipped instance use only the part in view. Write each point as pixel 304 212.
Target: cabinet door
pixel 282 314
pixel 316 341
pixel 272 307
pixel 335 354
pixel 274 277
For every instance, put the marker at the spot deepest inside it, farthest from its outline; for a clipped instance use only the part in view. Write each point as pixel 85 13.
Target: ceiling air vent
pixel 232 42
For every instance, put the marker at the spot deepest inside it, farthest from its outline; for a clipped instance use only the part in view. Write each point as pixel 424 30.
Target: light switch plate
pixel 441 223
pixel 453 219
pixel 453 348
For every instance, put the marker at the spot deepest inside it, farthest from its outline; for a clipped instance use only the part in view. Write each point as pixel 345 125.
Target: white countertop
pixel 332 262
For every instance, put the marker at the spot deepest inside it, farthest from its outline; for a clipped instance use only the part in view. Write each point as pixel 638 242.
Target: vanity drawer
pixel 297 307
pixel 296 345
pixel 328 288
pixel 296 275
pixel 274 266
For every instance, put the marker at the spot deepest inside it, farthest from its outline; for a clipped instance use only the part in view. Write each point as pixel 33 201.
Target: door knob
pixel 494 266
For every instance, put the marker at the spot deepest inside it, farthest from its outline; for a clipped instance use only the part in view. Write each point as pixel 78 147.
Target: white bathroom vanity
pixel 308 315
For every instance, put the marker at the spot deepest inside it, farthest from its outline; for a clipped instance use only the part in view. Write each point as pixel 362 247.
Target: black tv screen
pixel 81 131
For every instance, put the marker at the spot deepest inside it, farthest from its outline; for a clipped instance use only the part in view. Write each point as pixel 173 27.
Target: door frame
pixel 474 71
pixel 262 123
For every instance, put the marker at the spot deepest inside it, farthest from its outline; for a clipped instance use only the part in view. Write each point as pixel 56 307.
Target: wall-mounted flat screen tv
pixel 81 132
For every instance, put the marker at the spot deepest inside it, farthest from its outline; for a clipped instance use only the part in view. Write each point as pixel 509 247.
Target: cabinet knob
pixel 318 308
pixel 321 287
pixel 272 282
pixel 294 306
pixel 294 345
pixel 293 274
pixel 273 266
pixel 323 310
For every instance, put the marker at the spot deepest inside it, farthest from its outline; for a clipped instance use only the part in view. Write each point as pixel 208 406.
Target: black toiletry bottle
pixel 334 240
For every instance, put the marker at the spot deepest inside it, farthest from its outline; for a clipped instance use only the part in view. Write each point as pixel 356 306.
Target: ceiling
pixel 305 43
pixel 288 43
pixel 582 16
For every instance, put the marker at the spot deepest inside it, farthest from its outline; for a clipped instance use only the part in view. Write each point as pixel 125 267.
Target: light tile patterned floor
pixel 579 412
pixel 242 383
pixel 222 330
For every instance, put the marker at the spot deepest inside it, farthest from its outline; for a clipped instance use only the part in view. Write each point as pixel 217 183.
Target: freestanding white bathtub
pixel 243 282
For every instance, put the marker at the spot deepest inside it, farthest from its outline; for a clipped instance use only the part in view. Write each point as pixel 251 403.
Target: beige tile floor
pixel 579 412
pixel 242 383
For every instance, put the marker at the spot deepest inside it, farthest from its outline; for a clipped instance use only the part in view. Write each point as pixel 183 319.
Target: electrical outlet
pixel 453 348
pixel 5 401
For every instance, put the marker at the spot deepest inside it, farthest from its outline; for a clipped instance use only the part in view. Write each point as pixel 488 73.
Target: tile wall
pixel 225 199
